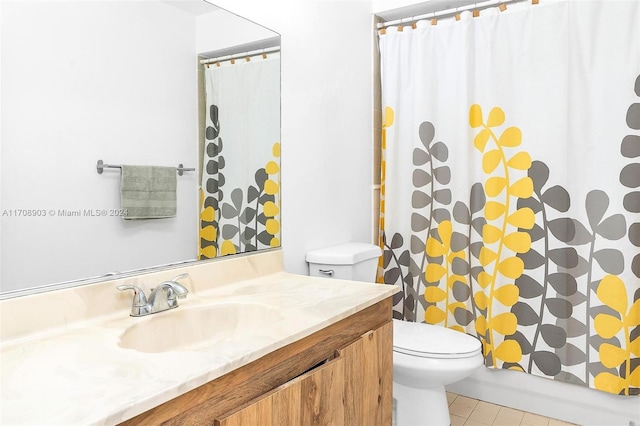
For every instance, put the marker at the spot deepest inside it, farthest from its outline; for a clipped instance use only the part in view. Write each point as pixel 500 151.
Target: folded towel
pixel 148 192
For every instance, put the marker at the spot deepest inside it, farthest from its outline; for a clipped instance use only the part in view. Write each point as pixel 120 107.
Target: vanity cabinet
pixel 346 390
pixel 339 375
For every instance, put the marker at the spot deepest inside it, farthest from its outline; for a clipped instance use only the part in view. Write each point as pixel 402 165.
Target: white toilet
pixel 425 357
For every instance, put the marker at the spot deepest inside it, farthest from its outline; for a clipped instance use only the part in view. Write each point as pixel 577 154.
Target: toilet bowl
pixel 426 358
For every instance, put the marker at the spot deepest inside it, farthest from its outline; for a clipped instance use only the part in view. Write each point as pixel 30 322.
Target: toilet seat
pixel 431 341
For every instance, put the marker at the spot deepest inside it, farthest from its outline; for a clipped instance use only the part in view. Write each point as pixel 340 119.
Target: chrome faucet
pixel 162 297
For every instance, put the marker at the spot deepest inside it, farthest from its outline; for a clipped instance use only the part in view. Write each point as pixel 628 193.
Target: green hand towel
pixel 148 192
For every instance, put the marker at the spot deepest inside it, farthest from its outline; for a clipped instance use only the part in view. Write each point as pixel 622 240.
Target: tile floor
pixel 471 412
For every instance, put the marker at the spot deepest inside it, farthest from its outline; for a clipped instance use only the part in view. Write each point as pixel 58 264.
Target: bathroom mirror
pixel 122 81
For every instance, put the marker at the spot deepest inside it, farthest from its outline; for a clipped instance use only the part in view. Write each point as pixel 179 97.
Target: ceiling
pixel 422 8
pixel 193 7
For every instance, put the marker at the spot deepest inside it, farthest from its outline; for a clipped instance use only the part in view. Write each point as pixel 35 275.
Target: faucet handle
pixel 174 289
pixel 140 306
pixel 181 276
pixel 179 290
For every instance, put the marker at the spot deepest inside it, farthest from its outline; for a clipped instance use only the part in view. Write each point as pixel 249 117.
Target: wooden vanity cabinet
pixel 347 390
pixel 340 375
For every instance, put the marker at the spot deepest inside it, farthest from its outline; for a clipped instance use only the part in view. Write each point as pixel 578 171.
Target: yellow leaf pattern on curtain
pixel 258 220
pixel 500 238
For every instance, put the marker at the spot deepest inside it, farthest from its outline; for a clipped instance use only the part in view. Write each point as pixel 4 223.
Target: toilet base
pixel 420 407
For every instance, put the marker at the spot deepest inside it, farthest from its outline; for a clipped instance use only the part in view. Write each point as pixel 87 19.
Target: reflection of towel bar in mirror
pixel 101 166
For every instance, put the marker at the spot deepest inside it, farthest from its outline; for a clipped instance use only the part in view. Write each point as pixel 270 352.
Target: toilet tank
pixel 350 261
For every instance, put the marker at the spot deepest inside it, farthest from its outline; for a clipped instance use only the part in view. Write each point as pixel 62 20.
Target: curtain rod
pixel 240 55
pixel 453 11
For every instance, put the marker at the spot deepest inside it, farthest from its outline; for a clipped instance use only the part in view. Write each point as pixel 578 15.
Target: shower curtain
pixel 240 189
pixel 510 200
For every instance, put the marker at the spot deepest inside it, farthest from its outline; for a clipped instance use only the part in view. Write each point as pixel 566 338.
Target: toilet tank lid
pixel 344 254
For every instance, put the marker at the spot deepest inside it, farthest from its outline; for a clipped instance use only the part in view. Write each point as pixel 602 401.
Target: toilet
pixel 426 357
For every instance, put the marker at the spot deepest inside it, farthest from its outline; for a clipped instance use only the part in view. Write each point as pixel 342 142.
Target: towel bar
pixel 101 166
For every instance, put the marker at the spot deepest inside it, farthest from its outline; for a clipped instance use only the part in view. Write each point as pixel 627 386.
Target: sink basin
pixel 229 324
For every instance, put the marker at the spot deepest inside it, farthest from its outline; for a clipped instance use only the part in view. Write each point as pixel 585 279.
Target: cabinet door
pixel 369 378
pixel 321 395
pixel 315 398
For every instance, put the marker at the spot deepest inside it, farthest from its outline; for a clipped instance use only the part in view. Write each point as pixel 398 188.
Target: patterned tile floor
pixel 471 412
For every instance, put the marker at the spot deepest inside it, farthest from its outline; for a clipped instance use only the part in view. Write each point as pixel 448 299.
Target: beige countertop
pixel 71 368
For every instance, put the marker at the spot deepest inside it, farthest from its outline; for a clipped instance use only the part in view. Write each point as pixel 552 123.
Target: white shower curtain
pixel 510 203
pixel 240 196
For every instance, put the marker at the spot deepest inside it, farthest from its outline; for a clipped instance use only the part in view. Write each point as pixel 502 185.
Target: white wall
pixel 326 120
pixel 83 81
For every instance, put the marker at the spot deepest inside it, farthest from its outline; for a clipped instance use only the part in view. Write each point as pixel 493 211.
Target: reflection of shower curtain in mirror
pixel 511 170
pixel 240 190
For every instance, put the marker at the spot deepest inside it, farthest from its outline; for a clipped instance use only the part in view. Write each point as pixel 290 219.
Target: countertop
pixel 76 373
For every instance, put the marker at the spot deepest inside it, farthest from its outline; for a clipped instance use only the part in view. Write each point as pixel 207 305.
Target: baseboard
pixel 559 400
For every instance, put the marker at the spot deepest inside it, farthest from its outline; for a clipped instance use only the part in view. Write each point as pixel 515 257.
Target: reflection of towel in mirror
pixel 148 192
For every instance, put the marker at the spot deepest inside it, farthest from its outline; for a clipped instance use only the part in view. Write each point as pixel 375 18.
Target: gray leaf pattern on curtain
pixel 569 267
